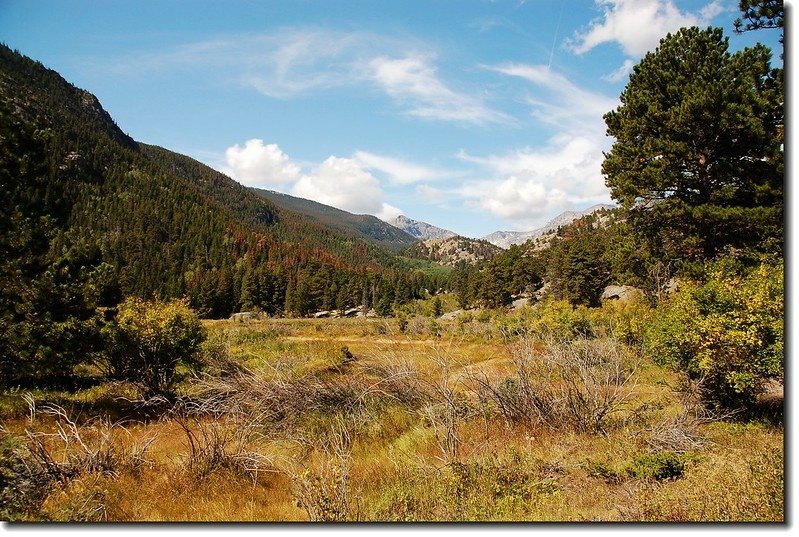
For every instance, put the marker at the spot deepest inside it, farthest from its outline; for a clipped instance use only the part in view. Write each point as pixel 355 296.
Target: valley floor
pixel 354 420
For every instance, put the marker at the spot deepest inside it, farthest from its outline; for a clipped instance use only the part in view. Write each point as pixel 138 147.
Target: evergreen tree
pixel 760 14
pixel 437 308
pixel 578 268
pixel 698 151
pixel 50 283
pixel 250 291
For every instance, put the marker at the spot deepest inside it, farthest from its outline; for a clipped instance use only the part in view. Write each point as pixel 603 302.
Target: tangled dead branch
pixel 65 452
pixel 577 384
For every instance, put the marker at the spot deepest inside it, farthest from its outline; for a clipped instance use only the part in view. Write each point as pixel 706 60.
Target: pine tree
pixel 698 151
pixel 760 14
pixel 50 283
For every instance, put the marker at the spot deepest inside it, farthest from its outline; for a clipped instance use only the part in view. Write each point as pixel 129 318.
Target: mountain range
pixel 505 239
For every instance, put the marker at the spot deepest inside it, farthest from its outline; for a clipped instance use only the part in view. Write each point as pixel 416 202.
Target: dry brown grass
pixel 402 431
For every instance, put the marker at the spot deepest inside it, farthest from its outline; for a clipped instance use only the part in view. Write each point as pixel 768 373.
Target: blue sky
pixel 474 116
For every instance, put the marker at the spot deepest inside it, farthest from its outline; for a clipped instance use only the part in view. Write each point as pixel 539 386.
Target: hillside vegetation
pixel 453 251
pixel 164 223
pixel 363 226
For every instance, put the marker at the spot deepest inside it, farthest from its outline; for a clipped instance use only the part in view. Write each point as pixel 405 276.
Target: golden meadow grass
pixel 352 419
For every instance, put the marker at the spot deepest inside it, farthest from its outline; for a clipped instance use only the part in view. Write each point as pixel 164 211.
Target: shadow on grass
pixel 769 408
pixel 84 398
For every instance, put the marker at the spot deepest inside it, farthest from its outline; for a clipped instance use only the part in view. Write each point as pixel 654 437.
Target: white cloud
pixel 295 61
pixel 530 185
pixel 292 61
pixel 399 171
pixel 533 185
pixel 562 103
pixel 389 212
pixel 260 165
pixel 620 73
pixel 430 193
pixel 638 25
pixel 342 183
pixel 279 64
pixel 413 81
pixel 707 13
pixel 521 198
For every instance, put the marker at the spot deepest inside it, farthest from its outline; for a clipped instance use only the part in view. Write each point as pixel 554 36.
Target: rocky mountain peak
pixel 420 230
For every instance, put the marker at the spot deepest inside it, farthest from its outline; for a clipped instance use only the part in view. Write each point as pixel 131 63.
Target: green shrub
pixel 435 328
pixel 148 339
pixel 554 320
pixel 402 323
pixel 436 307
pixel 21 493
pixel 649 467
pixel 726 333
pixel 657 466
pixel 623 321
pixel 464 317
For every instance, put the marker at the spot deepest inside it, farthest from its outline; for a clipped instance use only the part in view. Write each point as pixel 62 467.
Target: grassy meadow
pixel 534 415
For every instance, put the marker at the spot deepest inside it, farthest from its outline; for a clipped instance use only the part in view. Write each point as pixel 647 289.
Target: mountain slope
pixel 420 230
pixel 505 239
pixel 362 226
pixel 452 251
pixel 163 223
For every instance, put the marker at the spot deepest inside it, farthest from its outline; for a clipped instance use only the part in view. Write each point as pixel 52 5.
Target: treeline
pixel 312 287
pixel 577 263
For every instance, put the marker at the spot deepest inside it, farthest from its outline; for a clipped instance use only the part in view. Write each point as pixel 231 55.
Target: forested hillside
pixel 161 223
pixel 360 226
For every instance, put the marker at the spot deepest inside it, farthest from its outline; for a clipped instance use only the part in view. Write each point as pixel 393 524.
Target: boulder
pixel 450 316
pixel 623 293
pixel 244 316
pixel 542 292
pixel 519 303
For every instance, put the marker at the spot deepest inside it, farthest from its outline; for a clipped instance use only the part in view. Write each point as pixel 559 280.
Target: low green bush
pixel 657 466
pixel 726 333
pixel 148 339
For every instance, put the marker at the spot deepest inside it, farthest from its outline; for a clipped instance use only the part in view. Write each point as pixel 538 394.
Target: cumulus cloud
pixel 533 185
pixel 638 25
pixel 260 165
pixel 389 212
pixel 523 198
pixel 342 183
